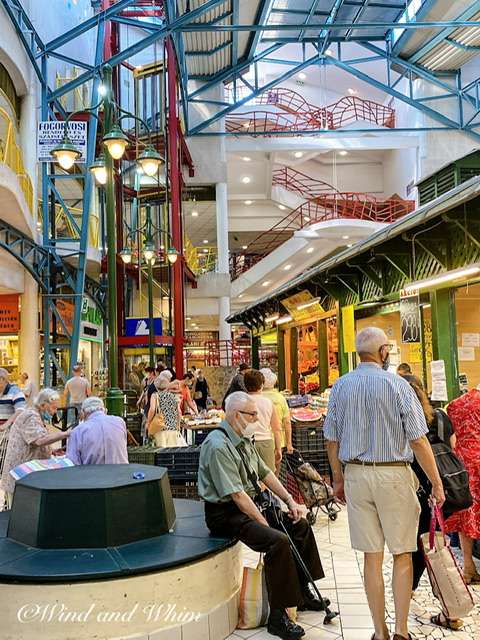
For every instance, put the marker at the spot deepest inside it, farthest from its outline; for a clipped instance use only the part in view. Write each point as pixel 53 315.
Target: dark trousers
pixel 285 580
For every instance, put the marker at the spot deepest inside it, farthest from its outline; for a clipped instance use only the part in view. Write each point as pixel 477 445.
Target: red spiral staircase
pixel 298 115
pixel 323 203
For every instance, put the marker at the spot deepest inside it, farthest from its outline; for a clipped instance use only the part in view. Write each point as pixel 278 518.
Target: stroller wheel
pixel 333 516
pixel 311 518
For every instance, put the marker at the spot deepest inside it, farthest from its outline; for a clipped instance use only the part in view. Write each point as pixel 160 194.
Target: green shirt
pixel 221 471
pixel 279 403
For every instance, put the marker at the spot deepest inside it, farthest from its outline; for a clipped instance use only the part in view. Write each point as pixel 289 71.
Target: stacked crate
pixel 182 464
pixel 308 439
pixel 142 455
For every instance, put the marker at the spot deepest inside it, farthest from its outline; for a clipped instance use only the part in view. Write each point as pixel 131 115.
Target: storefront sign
pixel 301 299
pixel 91 325
pixel 9 313
pixel 140 327
pixel 50 134
pixel 410 317
pixel 348 329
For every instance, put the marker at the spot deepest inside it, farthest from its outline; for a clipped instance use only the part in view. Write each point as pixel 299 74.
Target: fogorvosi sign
pixel 50 134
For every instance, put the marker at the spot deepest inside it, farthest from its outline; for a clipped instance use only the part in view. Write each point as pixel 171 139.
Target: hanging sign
pixel 91 325
pixel 51 133
pixel 140 326
pixel 309 306
pixel 9 314
pixel 410 317
pixel 348 329
pixel 439 380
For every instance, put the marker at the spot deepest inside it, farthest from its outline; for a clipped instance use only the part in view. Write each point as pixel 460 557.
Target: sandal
pixel 440 620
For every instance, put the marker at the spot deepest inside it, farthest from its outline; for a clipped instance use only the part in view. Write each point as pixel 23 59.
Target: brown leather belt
pixel 398 463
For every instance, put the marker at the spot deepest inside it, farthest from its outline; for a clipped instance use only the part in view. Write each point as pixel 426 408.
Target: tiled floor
pixel 343 585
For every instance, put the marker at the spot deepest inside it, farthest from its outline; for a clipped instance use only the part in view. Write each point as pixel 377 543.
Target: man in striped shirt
pixel 374 426
pixel 12 402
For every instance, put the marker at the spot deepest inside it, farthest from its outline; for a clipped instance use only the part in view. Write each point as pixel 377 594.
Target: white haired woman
pixel 280 404
pixel 30 438
pixel 165 403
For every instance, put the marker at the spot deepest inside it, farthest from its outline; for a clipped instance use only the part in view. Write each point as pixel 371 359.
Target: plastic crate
pixel 133 421
pixel 181 462
pixel 142 455
pixel 308 436
pixel 199 435
pixel 185 490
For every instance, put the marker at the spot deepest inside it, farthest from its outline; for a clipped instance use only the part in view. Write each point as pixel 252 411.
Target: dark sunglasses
pixel 252 414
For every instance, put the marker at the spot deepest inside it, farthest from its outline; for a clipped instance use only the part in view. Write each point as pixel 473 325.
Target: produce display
pixel 212 418
pixel 306 414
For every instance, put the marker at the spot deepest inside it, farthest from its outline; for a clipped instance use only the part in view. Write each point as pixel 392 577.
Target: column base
pixel 114 401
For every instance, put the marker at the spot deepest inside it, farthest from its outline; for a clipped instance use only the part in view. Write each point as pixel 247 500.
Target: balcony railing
pixel 11 155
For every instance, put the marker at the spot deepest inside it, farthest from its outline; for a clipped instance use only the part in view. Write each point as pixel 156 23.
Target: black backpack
pixel 452 471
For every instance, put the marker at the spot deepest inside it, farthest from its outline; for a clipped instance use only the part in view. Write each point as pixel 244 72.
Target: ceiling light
pixel 352 92
pixel 194 213
pixel 246 159
pixel 342 153
pixel 284 319
pixel 205 242
pixel 345 237
pixel 349 245
pixel 287 267
pixel 248 202
pixel 298 154
pixel 246 180
pixel 188 318
pixel 205 251
pixel 266 283
pixel 310 250
pixel 244 246
pixel 307 304
pixel 276 316
pixel 329 52
pixel 246 124
pixel 281 207
pixel 306 218
pixel 442 278
pixel 302 76
pixel 240 295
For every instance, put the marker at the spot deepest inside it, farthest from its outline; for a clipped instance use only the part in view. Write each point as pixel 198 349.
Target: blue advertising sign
pixel 140 326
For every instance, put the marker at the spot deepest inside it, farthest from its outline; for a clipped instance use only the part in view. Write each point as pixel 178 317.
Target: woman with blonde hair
pixel 30 438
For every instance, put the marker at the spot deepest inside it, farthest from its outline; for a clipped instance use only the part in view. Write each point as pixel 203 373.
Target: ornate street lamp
pixel 66 153
pixel 99 170
pixel 116 142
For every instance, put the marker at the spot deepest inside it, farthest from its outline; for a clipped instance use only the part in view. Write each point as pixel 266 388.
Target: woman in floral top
pixel 30 438
pixel 165 402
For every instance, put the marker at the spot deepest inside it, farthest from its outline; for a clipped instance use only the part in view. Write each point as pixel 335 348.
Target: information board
pixel 51 133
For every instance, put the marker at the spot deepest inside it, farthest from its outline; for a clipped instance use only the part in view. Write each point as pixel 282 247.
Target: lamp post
pixel 115 142
pixel 146 230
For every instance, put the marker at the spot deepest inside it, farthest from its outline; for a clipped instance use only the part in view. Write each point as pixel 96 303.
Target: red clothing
pixel 465 416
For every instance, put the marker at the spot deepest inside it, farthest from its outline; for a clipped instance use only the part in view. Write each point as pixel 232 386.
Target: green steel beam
pixel 444 336
pixel 281 359
pixel 294 359
pixel 323 364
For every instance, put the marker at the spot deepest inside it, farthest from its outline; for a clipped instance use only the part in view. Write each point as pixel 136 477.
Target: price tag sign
pixel 410 317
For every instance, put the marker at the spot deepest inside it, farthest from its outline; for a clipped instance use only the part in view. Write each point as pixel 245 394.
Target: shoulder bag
pixel 157 423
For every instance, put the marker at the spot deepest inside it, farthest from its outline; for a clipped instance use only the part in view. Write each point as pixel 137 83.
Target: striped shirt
pixel 11 400
pixel 373 414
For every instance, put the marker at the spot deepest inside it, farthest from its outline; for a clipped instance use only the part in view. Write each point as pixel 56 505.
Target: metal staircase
pixel 297 115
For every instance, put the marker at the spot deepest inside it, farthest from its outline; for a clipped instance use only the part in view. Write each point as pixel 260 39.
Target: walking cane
pixel 329 615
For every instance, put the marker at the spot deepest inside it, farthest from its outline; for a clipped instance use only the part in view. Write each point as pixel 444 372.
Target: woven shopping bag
pixel 446 577
pixel 253 605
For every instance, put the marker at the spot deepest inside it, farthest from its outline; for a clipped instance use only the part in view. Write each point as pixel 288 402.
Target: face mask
pixel 46 417
pixel 247 428
pixel 386 363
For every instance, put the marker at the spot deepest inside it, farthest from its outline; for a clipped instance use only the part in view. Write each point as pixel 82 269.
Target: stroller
pixel 307 486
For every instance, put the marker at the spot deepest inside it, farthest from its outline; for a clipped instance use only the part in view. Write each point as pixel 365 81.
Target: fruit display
pixel 306 414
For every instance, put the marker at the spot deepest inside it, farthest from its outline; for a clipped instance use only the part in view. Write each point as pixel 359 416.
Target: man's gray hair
pixel 370 340
pixel 92 404
pixel 45 397
pixel 238 401
pixel 3 373
pixel 269 378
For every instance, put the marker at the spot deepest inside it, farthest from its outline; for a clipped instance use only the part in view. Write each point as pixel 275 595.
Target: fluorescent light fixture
pixel 276 316
pixel 306 218
pixel 246 180
pixel 302 76
pixel 240 295
pixel 248 202
pixel 194 213
pixel 298 154
pixel 287 267
pixel 284 319
pixel 329 52
pixel 342 153
pixel 307 304
pixel 244 246
pixel 456 274
pixel 426 305
pixel 350 245
pixel 205 251
pixel 345 237
pixel 266 283
pixel 188 318
pixel 282 207
pixel 205 242
pixel 352 92
pixel 310 250
pixel 246 124
pixel 246 159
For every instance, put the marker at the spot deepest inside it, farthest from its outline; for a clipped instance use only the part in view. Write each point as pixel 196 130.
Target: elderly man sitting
pixel 229 466
pixel 99 439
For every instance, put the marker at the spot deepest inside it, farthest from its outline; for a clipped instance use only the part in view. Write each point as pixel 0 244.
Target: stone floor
pixel 343 585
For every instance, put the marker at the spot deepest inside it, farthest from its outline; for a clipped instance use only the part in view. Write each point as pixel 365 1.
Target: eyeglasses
pixel 389 346
pixel 252 414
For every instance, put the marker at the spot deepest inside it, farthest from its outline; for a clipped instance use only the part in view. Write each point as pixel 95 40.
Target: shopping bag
pixel 446 577
pixel 253 605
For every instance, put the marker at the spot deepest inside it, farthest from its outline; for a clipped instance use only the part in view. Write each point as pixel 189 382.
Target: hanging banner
pixel 91 325
pixel 51 133
pixel 348 329
pixel 410 317
pixel 9 313
pixel 439 381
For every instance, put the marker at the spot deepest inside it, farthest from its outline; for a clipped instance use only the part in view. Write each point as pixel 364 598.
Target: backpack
pixel 452 471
